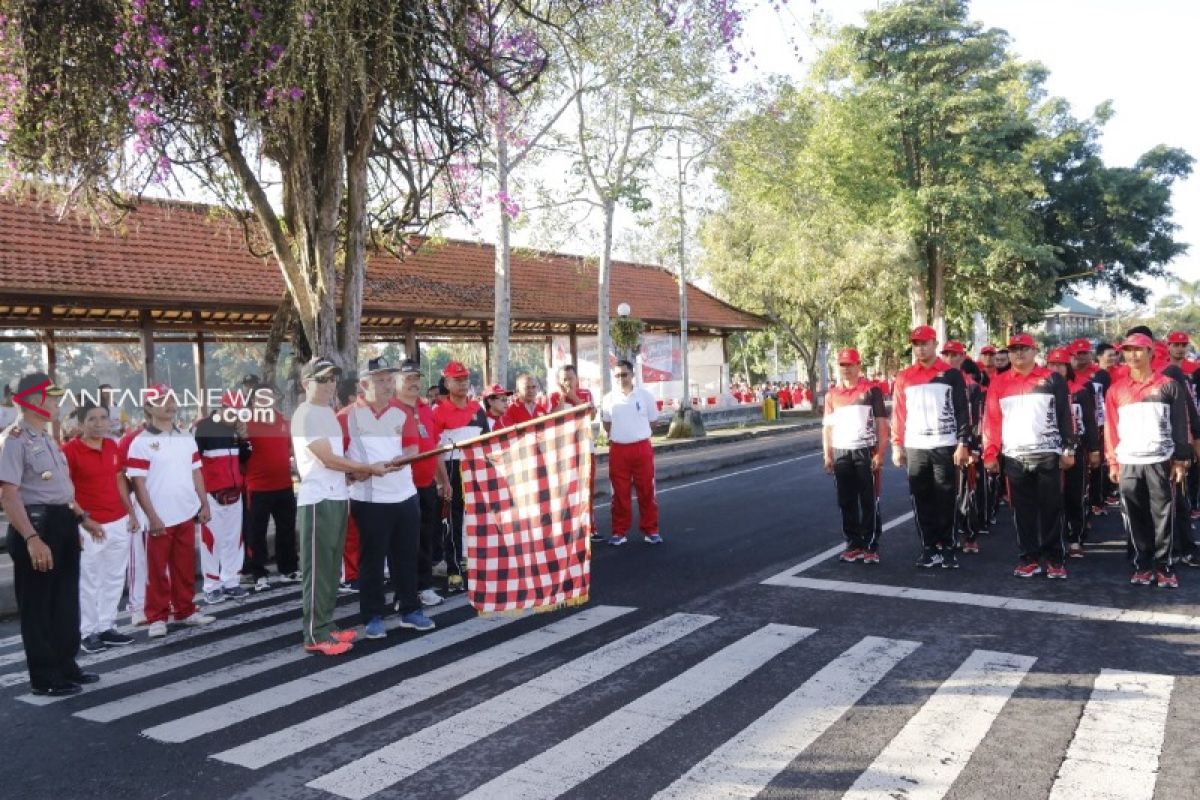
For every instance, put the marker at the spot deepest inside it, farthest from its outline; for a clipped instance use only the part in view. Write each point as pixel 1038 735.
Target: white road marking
pixel 311 732
pixel 825 555
pixel 1116 748
pixel 1077 610
pixel 392 763
pixel 744 765
pixel 928 754
pixel 275 697
pixel 572 761
pixel 197 684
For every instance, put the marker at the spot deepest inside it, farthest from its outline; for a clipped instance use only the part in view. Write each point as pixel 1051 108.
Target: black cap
pixel 410 366
pixel 250 379
pixel 376 366
pixel 35 380
pixel 319 368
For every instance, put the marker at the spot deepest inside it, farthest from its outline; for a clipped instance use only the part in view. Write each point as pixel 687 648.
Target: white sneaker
pixel 439 569
pixel 197 619
pixel 430 598
pixel 138 618
pixel 289 577
pixel 157 629
pixel 262 585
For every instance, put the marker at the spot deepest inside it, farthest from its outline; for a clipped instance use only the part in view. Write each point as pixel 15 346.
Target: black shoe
pixel 84 677
pixel 1191 560
pixel 930 559
pixel 114 638
pixel 92 644
pixel 599 537
pixel 949 559
pixel 61 690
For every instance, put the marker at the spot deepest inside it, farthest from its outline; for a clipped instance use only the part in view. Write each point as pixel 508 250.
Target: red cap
pixel 455 369
pixel 496 390
pixel 1080 346
pixel 848 356
pixel 1059 355
pixel 1177 337
pixel 232 399
pixel 954 346
pixel 923 333
pixel 1021 340
pixel 987 350
pixel 156 392
pixel 1138 340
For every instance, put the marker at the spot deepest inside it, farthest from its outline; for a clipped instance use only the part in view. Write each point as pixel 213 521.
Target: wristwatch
pixel 81 517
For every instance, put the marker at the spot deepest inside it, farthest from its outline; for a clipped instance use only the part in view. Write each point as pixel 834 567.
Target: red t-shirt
pixel 424 472
pixel 94 473
pixel 269 467
pixel 518 413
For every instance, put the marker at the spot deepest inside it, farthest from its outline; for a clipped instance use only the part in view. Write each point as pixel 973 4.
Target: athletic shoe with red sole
pixel 1057 571
pixel 970 547
pixel 344 636
pixel 1075 550
pixel 1143 578
pixel 851 555
pixel 870 558
pixel 329 648
pixel 1166 580
pixel 1028 570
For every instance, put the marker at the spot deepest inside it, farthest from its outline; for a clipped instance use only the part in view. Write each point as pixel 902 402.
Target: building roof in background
pixel 1069 304
pixel 187 263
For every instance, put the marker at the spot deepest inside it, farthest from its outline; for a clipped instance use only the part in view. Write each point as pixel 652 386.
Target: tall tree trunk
pixel 359 129
pixel 939 296
pixel 281 328
pixel 683 309
pixel 502 324
pixel 918 296
pixel 603 337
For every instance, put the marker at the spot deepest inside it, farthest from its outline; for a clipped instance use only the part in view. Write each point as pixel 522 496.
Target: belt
pixel 42 508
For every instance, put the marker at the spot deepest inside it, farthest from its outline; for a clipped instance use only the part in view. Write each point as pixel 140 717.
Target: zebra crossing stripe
pixel 177 636
pixel 222 716
pixel 1116 746
pixel 392 763
pixel 304 735
pixel 572 761
pixel 743 766
pixel 198 684
pixel 926 757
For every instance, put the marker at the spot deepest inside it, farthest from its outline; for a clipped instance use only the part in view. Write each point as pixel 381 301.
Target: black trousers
pixel 48 602
pixel 857 498
pixel 431 531
pixel 1035 488
pixel 1075 500
pixel 280 504
pixel 1182 528
pixel 932 485
pixel 995 490
pixel 980 490
pixel 452 542
pixel 391 533
pixel 1148 502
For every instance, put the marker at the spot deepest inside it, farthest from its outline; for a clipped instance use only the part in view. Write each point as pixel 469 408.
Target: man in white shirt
pixel 322 505
pixel 385 508
pixel 627 412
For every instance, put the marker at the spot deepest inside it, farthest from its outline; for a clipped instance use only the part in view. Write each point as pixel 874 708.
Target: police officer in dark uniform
pixel 43 539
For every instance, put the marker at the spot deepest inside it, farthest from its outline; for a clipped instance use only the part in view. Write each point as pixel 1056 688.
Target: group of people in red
pixel 1061 438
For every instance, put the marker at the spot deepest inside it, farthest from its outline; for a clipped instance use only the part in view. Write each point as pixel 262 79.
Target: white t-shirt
pixel 629 414
pixel 166 459
pixel 317 481
pixel 378 437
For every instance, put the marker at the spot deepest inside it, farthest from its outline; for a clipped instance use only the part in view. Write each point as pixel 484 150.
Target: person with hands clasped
pixel 854 434
pixel 38 499
pixel 1146 433
pixel 164 465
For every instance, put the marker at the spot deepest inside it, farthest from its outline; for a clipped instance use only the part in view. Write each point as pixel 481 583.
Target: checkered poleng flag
pixel 528 515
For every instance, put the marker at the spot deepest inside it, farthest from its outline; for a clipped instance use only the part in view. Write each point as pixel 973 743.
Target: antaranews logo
pixel 229 406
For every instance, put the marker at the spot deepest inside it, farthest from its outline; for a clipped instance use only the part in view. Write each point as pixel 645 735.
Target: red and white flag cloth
pixel 528 516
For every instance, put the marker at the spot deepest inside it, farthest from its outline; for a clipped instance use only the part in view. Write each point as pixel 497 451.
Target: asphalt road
pixel 737 660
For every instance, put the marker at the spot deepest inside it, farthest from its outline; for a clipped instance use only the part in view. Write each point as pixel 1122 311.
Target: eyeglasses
pixel 326 379
pixel 623 374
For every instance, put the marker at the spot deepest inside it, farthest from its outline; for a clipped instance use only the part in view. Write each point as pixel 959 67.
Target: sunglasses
pixel 326 379
pixel 623 374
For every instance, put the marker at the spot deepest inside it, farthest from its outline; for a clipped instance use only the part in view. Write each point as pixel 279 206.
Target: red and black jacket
pixel 1083 409
pixel 1146 422
pixel 1027 415
pixel 853 413
pixel 222 454
pixel 930 407
pixel 1177 374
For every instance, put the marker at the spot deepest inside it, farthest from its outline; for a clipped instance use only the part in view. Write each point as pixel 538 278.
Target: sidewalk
pixel 673 459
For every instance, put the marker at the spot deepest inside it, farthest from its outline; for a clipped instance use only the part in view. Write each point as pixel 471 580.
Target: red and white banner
pixel 528 516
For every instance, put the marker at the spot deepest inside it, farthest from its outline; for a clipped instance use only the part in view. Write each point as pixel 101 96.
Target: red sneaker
pixel 1166 579
pixel 1098 511
pixel 1028 570
pixel 970 547
pixel 1056 571
pixel 1075 550
pixel 851 555
pixel 345 636
pixel 869 557
pixel 1142 577
pixel 329 648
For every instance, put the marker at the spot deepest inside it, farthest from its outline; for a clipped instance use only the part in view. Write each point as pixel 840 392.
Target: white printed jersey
pixel 1029 425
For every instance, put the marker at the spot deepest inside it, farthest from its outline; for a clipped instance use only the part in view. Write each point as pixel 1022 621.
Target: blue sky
pixel 1141 54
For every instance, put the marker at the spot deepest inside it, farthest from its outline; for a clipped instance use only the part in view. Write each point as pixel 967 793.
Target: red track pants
pixel 629 466
pixel 171 563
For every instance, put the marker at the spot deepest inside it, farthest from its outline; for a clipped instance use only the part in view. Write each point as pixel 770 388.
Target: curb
pixel 671 447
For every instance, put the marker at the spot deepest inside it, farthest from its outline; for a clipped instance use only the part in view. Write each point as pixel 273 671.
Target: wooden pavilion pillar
pixel 574 336
pixel 50 354
pixel 147 336
pixel 199 363
pixel 411 347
